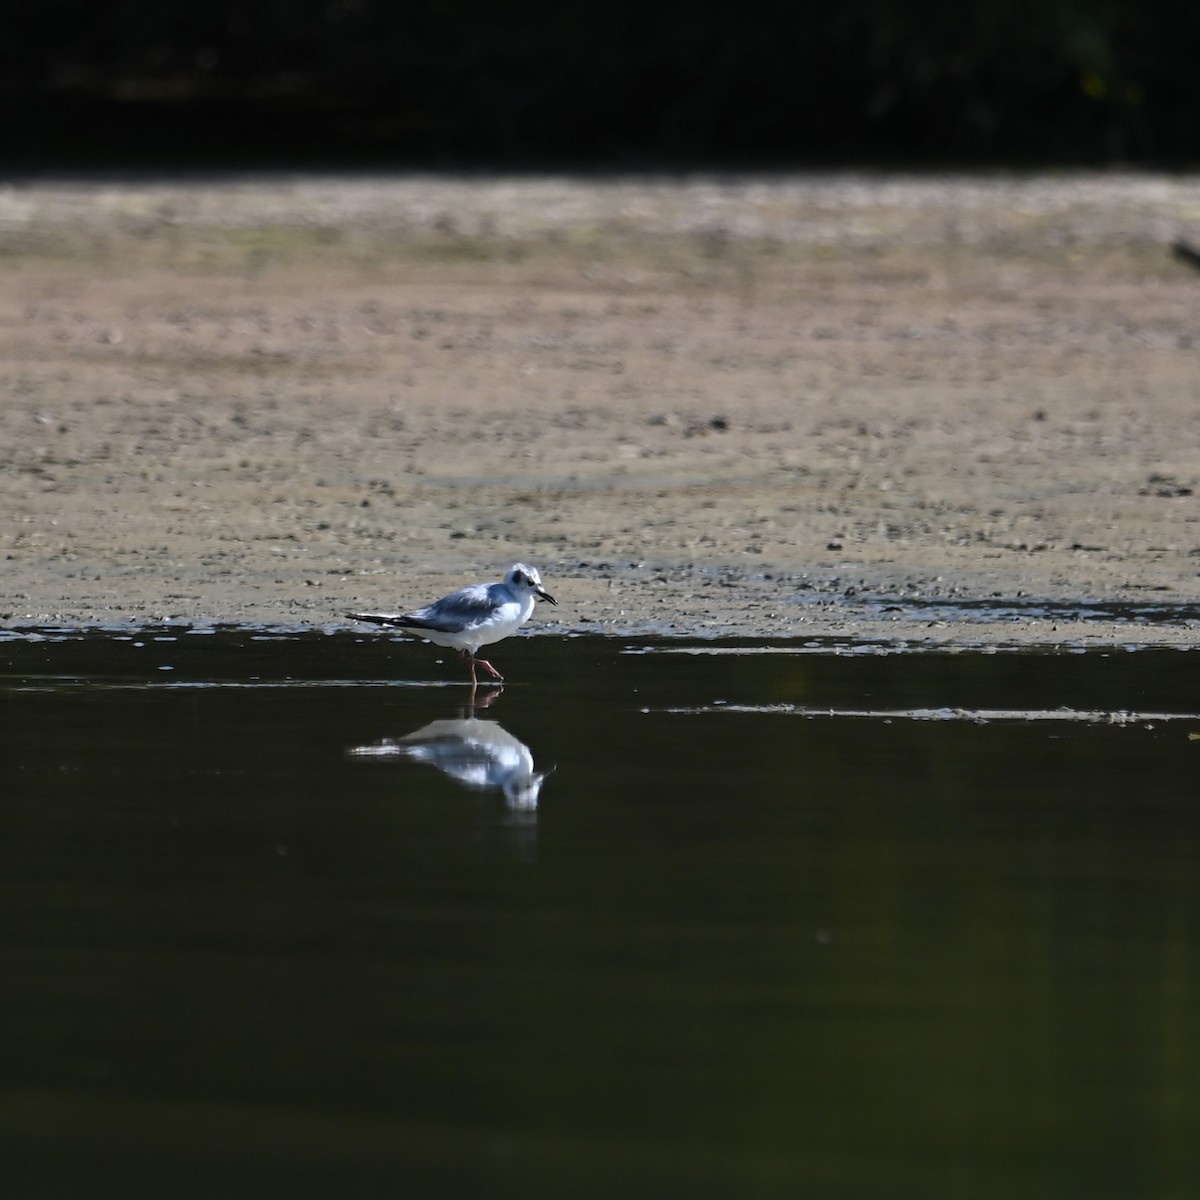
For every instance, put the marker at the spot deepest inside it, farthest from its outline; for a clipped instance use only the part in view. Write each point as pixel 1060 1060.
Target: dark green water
pixel 731 950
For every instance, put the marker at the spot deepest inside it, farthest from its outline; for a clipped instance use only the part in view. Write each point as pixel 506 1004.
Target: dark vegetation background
pixel 599 83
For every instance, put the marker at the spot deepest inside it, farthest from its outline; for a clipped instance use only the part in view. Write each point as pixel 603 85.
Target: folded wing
pixel 451 614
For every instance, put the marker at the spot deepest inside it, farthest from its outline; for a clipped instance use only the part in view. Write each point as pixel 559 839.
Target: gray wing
pixel 451 614
pixel 459 610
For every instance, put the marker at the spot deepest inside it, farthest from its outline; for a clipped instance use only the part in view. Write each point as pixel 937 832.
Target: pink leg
pixel 471 660
pixel 483 663
pixel 494 673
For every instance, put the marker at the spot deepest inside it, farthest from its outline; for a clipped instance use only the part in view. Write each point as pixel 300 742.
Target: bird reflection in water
pixel 480 755
pixel 484 756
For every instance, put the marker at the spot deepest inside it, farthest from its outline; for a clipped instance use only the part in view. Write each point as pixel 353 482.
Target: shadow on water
pixel 289 914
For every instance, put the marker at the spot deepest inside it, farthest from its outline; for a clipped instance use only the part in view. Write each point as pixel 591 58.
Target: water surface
pixel 286 915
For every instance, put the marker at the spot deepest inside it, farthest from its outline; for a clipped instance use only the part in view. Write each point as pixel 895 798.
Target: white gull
pixel 473 616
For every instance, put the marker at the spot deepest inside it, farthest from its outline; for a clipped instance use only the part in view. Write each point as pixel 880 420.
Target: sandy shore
pixel 843 406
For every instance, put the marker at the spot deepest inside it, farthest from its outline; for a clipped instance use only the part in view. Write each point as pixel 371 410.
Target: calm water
pixel 283 917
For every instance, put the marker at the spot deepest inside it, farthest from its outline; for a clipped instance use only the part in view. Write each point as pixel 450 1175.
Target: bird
pixel 474 616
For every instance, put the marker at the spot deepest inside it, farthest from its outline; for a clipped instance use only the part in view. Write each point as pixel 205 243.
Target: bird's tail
pixel 396 620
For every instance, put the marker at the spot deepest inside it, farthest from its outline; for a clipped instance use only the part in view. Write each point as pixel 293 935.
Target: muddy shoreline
pixel 943 411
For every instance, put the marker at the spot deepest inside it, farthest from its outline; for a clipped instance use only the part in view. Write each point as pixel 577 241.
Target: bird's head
pixel 526 579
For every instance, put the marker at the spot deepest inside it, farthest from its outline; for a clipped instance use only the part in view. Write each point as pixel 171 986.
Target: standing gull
pixel 474 616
